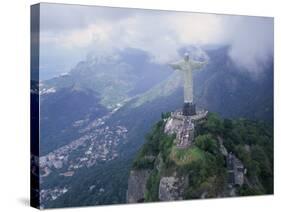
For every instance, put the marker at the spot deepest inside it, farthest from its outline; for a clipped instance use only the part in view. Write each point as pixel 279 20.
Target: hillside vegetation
pixel 204 163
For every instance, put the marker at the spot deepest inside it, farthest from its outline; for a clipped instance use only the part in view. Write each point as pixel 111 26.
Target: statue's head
pixel 186 56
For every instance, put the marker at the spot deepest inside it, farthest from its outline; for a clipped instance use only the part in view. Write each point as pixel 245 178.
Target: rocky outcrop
pixel 137 185
pixel 172 188
pixel 183 127
pixel 174 124
pixel 236 170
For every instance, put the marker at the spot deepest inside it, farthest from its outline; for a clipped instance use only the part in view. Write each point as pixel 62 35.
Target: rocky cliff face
pixel 137 185
pixel 172 188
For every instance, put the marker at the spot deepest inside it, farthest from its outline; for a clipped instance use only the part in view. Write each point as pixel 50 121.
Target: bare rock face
pixel 171 188
pixel 182 127
pixel 174 124
pixel 137 185
pixel 236 170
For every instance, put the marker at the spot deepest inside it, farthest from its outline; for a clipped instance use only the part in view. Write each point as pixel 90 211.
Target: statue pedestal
pixel 189 109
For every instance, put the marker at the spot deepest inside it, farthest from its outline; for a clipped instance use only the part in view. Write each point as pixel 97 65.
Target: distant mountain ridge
pixel 114 78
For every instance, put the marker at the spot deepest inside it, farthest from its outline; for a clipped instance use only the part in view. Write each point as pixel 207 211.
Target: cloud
pixel 252 42
pixel 160 33
pixel 58 17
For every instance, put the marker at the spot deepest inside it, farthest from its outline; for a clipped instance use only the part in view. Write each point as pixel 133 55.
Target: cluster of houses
pixel 98 144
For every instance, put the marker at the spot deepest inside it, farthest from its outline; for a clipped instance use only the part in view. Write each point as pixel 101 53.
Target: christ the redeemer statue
pixel 187 66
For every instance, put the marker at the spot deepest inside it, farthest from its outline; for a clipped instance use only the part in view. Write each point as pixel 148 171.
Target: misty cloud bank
pixel 99 30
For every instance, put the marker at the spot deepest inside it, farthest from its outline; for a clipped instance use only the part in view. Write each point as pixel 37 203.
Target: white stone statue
pixel 187 66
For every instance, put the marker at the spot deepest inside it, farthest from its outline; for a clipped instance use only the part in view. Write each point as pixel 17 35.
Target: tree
pixel 206 143
pixel 214 123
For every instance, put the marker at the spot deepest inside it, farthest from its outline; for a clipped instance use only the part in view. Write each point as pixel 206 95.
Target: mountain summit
pixel 205 157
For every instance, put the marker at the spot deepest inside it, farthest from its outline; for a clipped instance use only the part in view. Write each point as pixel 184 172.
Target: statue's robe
pixel 187 67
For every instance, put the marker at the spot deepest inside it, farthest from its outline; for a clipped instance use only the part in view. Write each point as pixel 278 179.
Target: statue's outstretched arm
pixel 176 65
pixel 198 65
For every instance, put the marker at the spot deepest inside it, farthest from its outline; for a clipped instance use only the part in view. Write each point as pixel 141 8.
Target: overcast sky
pixel 70 32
